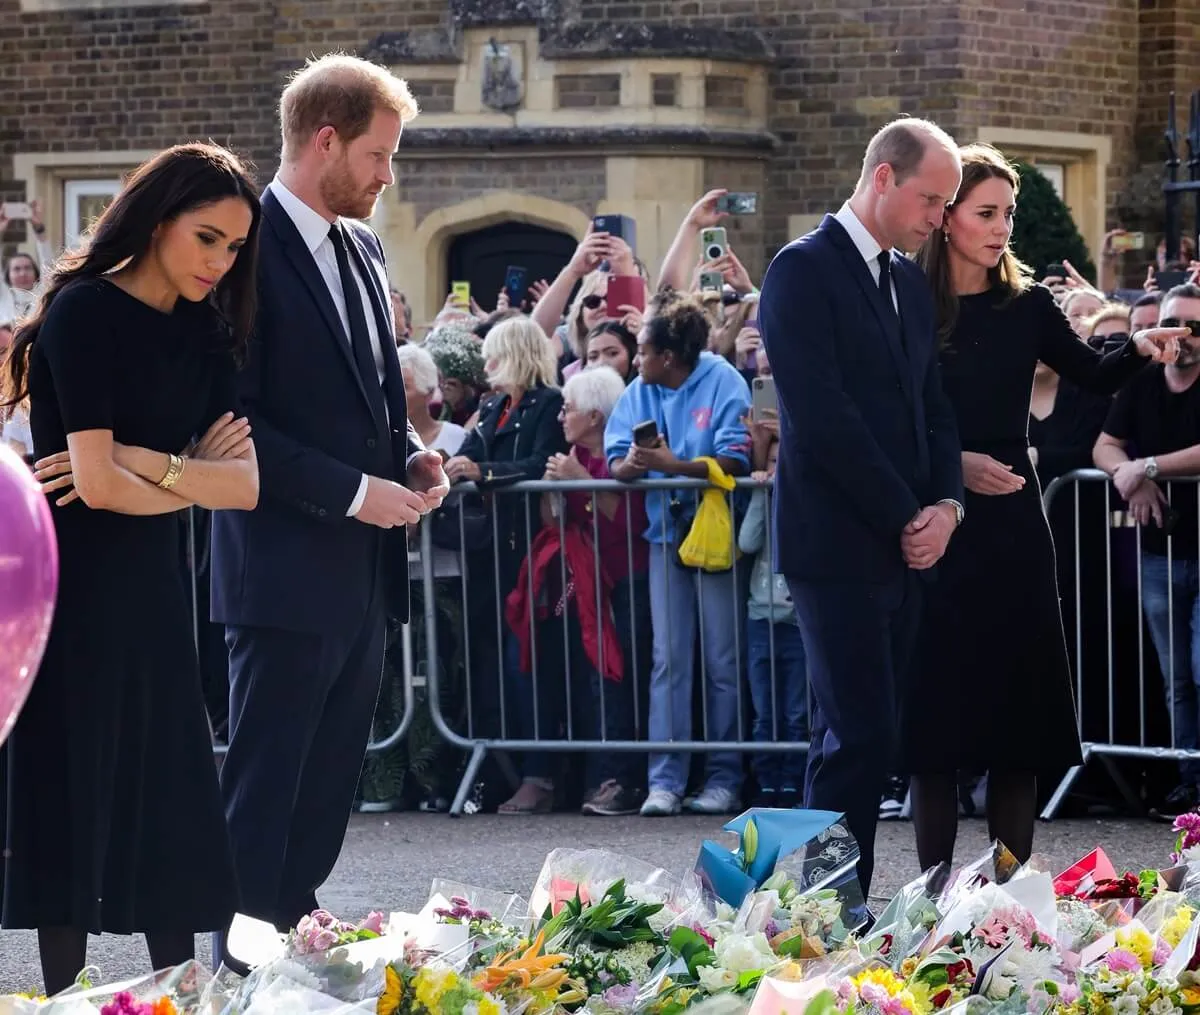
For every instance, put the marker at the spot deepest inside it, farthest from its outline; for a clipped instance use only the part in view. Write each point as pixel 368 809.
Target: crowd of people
pixel 250 357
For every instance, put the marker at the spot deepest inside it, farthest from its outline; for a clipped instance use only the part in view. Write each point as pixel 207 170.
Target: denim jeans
pixel 781 713
pixel 600 709
pixel 1171 603
pixel 679 601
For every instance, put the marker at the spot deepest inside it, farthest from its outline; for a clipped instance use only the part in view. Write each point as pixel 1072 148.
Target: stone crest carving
pixel 502 89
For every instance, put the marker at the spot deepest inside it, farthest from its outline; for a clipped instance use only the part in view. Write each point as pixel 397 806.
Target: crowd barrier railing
pixel 503 708
pixel 1132 622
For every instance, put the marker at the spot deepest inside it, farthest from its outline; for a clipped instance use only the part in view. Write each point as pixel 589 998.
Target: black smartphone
pixel 1056 271
pixel 514 285
pixel 1168 280
pixel 645 434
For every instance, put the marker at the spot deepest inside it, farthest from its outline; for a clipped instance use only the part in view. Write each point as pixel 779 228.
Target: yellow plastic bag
pixel 709 544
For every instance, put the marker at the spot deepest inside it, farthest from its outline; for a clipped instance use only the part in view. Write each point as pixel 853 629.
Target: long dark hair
pixel 979 162
pixel 174 182
pixel 626 337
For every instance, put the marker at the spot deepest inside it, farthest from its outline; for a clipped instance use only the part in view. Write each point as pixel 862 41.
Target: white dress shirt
pixel 314 231
pixel 867 245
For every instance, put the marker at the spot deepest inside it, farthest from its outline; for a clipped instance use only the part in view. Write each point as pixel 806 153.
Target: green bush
pixel 1044 232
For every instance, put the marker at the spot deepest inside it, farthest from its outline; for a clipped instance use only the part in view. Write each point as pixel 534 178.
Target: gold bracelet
pixel 174 471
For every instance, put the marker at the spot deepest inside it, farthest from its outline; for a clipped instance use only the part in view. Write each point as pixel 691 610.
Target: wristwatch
pixel 1150 466
pixel 959 511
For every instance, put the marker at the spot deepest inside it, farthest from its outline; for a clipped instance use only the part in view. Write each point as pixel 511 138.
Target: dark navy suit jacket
pixel 867 436
pixel 297 562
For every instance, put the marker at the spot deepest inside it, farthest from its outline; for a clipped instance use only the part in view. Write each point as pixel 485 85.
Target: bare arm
pixel 1109 453
pixel 227 484
pixel 681 259
pixel 548 311
pixel 103 485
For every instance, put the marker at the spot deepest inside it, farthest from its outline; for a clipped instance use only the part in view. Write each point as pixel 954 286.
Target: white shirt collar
pixel 312 226
pixel 863 240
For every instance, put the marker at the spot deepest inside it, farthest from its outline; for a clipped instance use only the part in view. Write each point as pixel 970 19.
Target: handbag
pixel 704 536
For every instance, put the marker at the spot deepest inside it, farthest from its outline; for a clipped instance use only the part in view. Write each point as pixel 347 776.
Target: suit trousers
pixel 859 639
pixel 300 710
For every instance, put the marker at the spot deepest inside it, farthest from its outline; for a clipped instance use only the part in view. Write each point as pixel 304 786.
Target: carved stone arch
pixel 440 227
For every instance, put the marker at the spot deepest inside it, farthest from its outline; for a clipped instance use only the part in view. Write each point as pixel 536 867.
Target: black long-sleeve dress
pixel 115 821
pixel 990 685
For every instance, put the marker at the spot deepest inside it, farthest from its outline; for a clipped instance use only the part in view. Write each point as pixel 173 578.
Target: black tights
pixel 64 953
pixel 1011 813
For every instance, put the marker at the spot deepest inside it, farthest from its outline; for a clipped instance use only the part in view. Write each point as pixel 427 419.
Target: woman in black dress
pixel 990 687
pixel 114 817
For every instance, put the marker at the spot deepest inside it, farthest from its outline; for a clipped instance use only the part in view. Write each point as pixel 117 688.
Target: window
pixel 83 202
pixel 1056 173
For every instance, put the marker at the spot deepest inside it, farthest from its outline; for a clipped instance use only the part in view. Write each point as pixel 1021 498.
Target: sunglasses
pixel 592 302
pixel 1175 322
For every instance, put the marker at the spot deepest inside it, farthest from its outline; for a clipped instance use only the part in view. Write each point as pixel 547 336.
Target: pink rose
pixel 373 923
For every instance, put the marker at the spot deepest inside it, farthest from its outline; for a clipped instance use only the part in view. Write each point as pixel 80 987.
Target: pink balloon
pixel 28 583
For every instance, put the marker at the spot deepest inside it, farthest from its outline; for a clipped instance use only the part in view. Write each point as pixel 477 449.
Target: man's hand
pixel 926 537
pixel 659 458
pixel 983 474
pixel 428 478
pixel 389 504
pixel 1128 477
pixel 1147 502
pixel 1162 345
pixel 226 438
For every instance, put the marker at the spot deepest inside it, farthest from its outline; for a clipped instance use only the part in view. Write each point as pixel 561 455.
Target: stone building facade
pixel 545 112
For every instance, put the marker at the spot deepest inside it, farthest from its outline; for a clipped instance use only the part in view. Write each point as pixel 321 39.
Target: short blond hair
pixel 342 92
pixel 523 354
pixel 1108 312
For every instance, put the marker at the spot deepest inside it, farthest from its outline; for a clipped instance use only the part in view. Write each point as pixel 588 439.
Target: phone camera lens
pixel 714 252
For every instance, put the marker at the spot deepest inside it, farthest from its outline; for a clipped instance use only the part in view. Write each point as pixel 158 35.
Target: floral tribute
pixel 770 926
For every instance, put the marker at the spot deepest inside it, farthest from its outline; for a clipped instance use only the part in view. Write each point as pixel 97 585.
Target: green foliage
pixel 1044 232
pixel 616 921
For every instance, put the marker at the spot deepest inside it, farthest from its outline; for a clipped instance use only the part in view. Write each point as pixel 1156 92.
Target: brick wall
pixel 746 233
pixel 434 183
pixel 587 91
pixel 434 96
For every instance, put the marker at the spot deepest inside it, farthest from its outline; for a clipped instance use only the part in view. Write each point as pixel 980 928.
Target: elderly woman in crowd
pixel 420 389
pixel 585 641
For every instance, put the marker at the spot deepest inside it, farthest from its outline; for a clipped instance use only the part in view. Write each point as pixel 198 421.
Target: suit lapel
pixel 889 322
pixel 306 267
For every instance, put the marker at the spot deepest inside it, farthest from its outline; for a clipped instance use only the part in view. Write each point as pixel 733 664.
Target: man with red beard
pixel 303 583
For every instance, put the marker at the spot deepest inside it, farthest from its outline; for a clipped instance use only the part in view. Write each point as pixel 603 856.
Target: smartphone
pixel 1129 241
pixel 617 225
pixel 738 204
pixel 713 243
pixel 1056 270
pixel 514 284
pixel 711 281
pixel 764 404
pixel 1166 280
pixel 645 435
pixel 625 290
pixel 13 210
pixel 462 293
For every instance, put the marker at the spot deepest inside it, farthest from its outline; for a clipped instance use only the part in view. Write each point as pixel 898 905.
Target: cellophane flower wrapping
pixel 903 925
pixel 182 985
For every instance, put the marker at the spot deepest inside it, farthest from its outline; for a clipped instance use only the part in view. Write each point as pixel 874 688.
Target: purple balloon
pixel 28 583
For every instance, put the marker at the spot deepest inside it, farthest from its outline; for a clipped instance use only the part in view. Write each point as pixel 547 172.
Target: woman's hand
pixel 460 469
pixel 704 214
pixel 659 458
pixel 983 474
pixel 1160 344
pixel 54 473
pixel 226 438
pixel 593 248
pixel 747 343
pixel 631 319
pixel 566 467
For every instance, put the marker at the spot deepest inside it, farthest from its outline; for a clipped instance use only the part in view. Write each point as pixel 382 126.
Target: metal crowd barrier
pixel 493 723
pixel 1123 603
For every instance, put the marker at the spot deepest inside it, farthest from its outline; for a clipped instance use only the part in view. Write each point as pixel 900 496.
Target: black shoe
pixel 765 798
pixel 788 798
pixel 611 800
pixel 1181 800
pixel 891 807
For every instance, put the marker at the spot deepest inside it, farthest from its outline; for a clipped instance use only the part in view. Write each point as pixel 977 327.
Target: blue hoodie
pixel 701 418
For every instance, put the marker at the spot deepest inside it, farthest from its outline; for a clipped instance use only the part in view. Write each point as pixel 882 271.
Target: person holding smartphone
pixel 1157 418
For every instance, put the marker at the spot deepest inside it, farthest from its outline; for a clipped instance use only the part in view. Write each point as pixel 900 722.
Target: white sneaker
pixel 715 800
pixel 660 803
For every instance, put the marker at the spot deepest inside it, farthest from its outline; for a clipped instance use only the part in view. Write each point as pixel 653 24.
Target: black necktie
pixel 360 337
pixel 885 278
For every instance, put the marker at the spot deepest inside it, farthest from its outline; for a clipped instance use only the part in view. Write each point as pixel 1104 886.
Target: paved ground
pixel 389 861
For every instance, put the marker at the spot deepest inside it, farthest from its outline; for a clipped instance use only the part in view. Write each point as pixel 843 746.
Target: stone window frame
pixel 46 174
pixel 1085 159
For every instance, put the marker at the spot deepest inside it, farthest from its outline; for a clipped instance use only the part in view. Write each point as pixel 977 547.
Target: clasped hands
pixel 924 540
